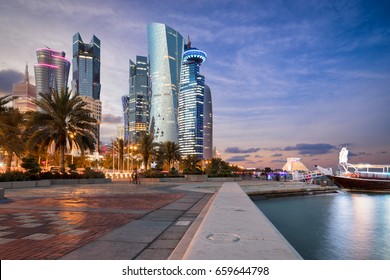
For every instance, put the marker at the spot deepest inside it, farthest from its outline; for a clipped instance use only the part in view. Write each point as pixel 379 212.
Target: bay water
pixel 349 226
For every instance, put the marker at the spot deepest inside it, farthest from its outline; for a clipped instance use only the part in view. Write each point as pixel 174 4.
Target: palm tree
pixel 62 119
pixel 147 146
pixel 11 121
pixel 4 100
pixel 191 164
pixel 170 152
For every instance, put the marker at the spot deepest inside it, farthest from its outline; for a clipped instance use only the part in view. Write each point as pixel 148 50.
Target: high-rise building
pixel 165 47
pixel 136 105
pixel 52 70
pixel 24 94
pixel 86 76
pixel 86 67
pixel 207 124
pixel 191 102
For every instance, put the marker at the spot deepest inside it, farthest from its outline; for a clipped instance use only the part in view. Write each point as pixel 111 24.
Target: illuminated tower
pixel 207 124
pixel 52 70
pixel 86 76
pixel 136 104
pixel 191 102
pixel 165 56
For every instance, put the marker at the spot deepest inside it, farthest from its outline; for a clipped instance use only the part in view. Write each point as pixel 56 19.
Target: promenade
pixel 107 221
pixel 110 221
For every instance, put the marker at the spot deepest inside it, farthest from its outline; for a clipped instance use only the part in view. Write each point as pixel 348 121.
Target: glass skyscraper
pixel 191 102
pixel 165 46
pixel 207 124
pixel 86 67
pixel 136 105
pixel 52 70
pixel 86 76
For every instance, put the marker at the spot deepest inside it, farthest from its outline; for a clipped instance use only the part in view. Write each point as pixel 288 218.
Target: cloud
pixel 277 155
pixel 7 78
pixel 311 149
pixel 237 150
pixel 237 158
pixel 110 118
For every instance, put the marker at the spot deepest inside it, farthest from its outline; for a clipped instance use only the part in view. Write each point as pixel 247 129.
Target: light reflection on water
pixel 336 226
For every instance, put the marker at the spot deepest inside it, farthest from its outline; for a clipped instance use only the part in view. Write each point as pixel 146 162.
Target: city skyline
pixel 289 79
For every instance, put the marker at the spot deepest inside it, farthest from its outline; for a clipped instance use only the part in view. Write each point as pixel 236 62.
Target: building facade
pixel 207 124
pixel 136 104
pixel 25 94
pixel 165 46
pixel 86 76
pixel 52 70
pixel 191 103
pixel 86 67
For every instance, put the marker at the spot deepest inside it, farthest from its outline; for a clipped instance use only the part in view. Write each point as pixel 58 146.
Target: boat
pixel 363 177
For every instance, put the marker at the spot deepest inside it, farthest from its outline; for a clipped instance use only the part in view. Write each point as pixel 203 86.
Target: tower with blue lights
pixel 191 102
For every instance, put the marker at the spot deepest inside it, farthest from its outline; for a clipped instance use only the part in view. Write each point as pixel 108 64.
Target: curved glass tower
pixel 165 47
pixel 191 103
pixel 52 70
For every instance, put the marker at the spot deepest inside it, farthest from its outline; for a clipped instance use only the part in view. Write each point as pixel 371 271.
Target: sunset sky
pixel 288 78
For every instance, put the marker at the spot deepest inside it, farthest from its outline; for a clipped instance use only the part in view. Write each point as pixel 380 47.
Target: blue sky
pixel 288 78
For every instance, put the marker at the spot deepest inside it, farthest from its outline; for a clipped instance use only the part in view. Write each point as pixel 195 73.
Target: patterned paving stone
pixel 39 236
pixel 5 240
pixel 30 225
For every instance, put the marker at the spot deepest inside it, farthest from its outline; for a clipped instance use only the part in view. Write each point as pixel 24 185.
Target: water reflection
pixel 342 226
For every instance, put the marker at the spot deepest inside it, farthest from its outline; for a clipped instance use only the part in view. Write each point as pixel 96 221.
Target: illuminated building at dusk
pixel 191 102
pixel 165 46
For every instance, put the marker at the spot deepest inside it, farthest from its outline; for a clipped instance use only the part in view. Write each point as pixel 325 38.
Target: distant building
pixel 136 104
pixel 294 164
pixel 52 70
pixel 86 76
pixel 25 94
pixel 165 47
pixel 191 102
pixel 207 124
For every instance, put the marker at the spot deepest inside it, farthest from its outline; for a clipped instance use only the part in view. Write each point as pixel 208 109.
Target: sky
pixel 288 78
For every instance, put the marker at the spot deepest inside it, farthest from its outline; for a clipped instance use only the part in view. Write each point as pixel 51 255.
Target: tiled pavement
pixel 110 221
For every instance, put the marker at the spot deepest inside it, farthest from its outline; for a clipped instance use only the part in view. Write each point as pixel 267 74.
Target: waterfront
pixel 347 226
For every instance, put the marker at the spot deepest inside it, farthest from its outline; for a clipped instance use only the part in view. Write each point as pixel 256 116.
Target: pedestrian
pixel 136 178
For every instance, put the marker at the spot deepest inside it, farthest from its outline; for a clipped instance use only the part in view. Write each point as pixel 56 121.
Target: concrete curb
pixel 235 229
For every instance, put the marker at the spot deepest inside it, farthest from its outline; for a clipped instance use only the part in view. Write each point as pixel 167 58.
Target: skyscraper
pixel 136 104
pixel 25 94
pixel 86 76
pixel 86 67
pixel 207 124
pixel 52 70
pixel 191 102
pixel 165 47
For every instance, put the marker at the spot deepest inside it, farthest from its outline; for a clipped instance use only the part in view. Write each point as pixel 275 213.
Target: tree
pixel 4 100
pixel 11 126
pixel 170 152
pixel 191 164
pixel 147 146
pixel 218 167
pixel 62 119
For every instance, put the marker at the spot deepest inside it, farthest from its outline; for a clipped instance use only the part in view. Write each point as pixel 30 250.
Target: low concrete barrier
pixel 235 229
pixel 47 183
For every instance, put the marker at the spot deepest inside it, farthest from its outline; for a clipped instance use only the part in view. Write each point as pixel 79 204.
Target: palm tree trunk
pixel 62 158
pixel 8 162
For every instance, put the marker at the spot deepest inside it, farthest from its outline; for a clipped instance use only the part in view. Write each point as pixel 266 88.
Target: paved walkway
pixel 108 221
